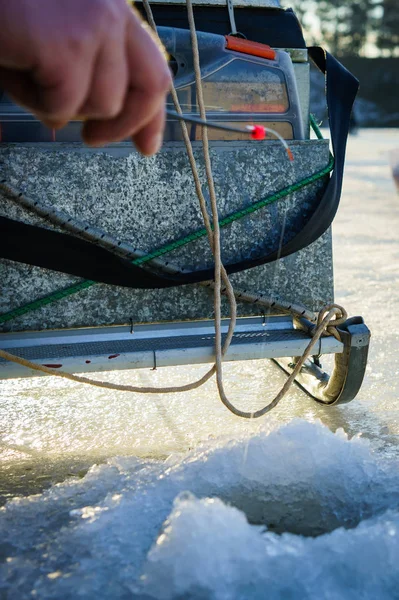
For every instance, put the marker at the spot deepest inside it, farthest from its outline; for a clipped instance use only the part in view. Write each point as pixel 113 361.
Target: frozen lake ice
pixel 184 500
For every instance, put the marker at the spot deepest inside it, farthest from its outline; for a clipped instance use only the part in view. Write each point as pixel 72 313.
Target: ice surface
pixel 105 536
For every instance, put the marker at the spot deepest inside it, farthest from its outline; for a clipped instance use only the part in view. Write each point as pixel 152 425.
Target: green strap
pixel 85 284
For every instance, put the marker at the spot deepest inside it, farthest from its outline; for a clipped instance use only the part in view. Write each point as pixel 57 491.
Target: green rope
pixel 40 302
pixel 239 214
pixel 85 284
pixel 315 127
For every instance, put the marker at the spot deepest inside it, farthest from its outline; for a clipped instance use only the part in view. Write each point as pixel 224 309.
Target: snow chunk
pixel 208 550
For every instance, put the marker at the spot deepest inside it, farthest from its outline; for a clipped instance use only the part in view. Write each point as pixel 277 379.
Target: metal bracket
pixel 347 376
pixel 233 27
pixel 230 8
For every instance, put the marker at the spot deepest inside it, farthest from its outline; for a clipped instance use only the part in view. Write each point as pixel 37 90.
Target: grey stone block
pixel 151 202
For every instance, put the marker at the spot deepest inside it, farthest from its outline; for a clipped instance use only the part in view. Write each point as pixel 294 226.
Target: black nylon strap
pixel 63 252
pixel 66 253
pixel 342 88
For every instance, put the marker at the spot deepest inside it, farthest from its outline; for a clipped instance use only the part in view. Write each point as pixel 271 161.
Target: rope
pixel 219 269
pixel 213 236
pixel 330 330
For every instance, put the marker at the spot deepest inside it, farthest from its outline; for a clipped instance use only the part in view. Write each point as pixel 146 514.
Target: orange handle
pixel 247 47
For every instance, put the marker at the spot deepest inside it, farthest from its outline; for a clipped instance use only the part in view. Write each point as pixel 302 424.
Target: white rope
pixel 215 218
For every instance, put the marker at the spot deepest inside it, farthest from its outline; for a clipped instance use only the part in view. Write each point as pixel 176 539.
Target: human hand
pixel 89 59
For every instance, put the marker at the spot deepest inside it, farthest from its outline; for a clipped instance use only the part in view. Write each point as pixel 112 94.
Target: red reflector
pixel 247 47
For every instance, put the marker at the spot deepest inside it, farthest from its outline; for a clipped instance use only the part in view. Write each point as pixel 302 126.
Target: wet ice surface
pixel 105 534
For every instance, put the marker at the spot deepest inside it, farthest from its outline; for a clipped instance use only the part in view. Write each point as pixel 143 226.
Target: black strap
pixel 66 253
pixel 342 88
pixel 274 26
pixel 63 252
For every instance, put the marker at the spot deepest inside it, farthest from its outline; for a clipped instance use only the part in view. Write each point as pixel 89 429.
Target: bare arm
pixel 89 58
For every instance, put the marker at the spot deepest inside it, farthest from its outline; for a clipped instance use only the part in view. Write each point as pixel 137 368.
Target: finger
pixel 149 139
pixel 19 86
pixel 109 82
pixel 54 92
pixel 137 112
pixel 149 82
pixel 22 90
pixel 62 89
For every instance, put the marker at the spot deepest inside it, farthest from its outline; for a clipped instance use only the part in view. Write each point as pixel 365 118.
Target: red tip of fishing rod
pixel 290 155
pixel 258 132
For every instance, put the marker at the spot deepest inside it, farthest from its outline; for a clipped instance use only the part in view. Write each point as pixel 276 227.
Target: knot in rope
pixel 331 315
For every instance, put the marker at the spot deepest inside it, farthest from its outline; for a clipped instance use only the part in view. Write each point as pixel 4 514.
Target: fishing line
pixel 255 132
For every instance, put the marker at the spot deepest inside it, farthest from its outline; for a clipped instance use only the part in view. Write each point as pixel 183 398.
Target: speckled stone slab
pixel 150 202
